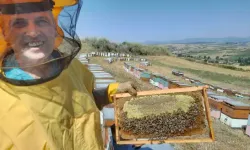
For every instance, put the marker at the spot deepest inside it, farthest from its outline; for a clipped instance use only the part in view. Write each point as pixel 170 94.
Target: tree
pixel 104 45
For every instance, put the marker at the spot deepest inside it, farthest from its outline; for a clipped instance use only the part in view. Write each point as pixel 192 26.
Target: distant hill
pixel 202 41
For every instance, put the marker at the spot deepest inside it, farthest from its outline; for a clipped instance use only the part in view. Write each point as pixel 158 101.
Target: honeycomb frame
pixel 202 89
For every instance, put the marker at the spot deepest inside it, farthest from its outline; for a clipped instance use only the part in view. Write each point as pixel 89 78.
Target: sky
pixel 163 20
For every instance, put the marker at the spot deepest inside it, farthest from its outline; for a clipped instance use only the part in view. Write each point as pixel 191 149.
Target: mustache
pixel 27 38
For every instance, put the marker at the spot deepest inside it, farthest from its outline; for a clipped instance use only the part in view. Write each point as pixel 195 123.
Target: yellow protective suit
pixel 58 115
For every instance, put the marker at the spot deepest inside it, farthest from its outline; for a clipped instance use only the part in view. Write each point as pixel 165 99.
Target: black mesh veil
pixel 38 39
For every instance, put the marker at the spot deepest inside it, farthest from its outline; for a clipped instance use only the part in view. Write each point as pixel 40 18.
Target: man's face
pixel 32 36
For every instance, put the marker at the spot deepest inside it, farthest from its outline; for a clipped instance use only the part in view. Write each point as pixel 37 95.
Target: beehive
pixel 163 83
pixel 145 76
pixel 177 73
pixel 232 122
pixel 215 102
pixel 103 83
pixel 171 116
pixel 229 92
pixel 156 79
pixel 95 68
pixel 103 75
pixel 236 109
pixel 172 84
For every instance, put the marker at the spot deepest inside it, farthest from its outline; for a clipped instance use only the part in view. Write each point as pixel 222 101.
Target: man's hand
pixel 127 87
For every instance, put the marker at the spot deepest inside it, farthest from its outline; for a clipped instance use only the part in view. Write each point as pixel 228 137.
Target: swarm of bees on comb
pixel 162 116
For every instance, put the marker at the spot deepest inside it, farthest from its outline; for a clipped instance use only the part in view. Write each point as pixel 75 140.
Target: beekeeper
pixel 47 99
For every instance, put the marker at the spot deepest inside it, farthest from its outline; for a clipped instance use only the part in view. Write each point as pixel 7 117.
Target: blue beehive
pixel 146 75
pixel 157 77
pixel 164 81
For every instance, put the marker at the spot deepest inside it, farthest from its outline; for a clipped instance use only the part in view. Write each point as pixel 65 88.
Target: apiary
pixel 163 116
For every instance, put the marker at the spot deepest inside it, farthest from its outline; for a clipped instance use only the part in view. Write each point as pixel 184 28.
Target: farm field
pixel 226 137
pixel 217 76
pixel 230 51
pixel 235 55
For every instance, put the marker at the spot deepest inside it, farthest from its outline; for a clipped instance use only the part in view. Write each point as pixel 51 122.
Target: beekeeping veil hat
pixel 38 39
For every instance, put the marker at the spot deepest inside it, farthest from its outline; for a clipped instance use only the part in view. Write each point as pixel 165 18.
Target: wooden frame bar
pixel 166 91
